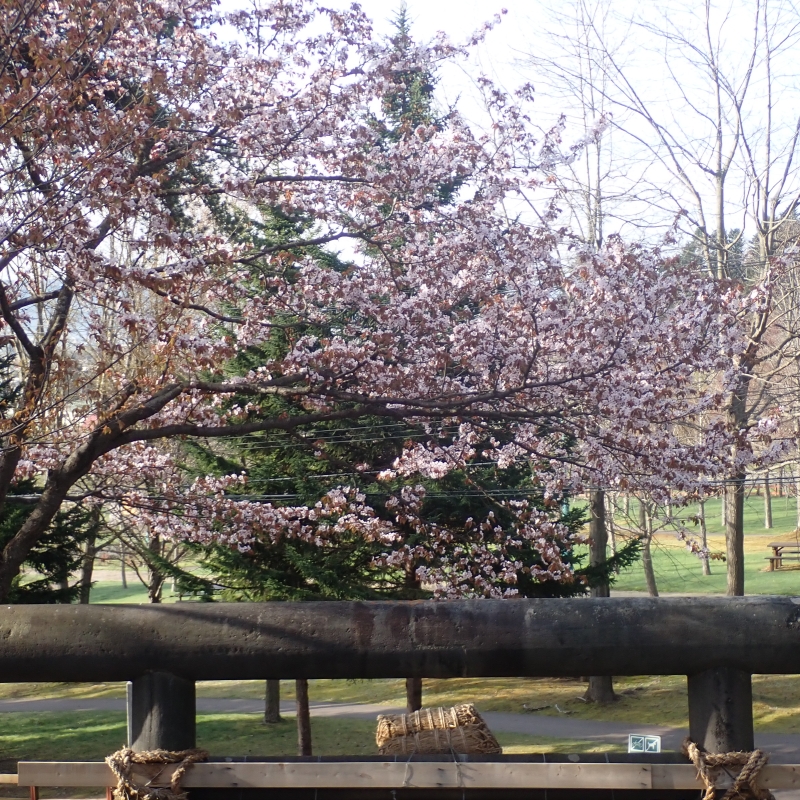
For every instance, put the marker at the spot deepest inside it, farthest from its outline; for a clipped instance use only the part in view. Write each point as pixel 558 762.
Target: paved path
pixel 782 747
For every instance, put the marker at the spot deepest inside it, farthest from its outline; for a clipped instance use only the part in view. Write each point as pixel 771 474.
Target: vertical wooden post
pixel 162 710
pixel 721 710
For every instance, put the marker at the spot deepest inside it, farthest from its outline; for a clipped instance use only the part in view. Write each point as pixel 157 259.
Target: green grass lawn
pixel 658 700
pixel 677 570
pixel 92 735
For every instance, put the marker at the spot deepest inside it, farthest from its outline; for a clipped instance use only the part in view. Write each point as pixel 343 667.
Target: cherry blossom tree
pixel 122 124
pixel 706 128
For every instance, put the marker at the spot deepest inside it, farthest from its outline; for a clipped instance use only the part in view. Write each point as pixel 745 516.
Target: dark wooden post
pixel 721 710
pixel 162 710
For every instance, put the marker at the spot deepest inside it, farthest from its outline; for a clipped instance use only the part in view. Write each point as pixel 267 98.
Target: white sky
pixel 680 104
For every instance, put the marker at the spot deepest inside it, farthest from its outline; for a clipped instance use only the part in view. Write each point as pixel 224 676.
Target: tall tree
pixel 721 153
pixel 119 121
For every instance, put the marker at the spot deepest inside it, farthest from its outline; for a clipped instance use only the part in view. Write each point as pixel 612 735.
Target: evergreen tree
pixel 300 467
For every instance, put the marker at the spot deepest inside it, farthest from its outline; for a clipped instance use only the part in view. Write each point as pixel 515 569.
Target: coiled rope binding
pixel 123 761
pixel 745 785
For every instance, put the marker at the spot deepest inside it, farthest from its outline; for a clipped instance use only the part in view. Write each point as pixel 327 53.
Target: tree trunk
pixel 706 561
pixel 32 529
pixel 734 534
pixel 412 585
pixel 600 690
pixel 155 586
pixel 123 577
pixel 626 504
pixel 797 494
pixel 303 718
pixel 601 687
pixel 87 567
pixel 598 537
pixel 723 514
pixel 646 524
pixel 155 581
pixel 767 503
pixel 413 694
pixel 611 507
pixel 272 701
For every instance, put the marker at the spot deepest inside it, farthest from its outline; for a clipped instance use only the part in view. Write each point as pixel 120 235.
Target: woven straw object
pixel 435 730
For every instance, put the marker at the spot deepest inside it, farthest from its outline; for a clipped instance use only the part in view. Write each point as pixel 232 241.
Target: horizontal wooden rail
pixel 399 774
pixel 539 637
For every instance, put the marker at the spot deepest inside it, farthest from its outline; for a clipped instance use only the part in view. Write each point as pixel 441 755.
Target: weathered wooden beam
pixel 407 774
pixel 547 637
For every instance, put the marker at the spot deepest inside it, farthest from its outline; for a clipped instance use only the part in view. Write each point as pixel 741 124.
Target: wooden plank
pixel 8 778
pixel 355 775
pixel 428 775
pixel 780 776
pixel 395 775
pixel 675 776
pixel 65 773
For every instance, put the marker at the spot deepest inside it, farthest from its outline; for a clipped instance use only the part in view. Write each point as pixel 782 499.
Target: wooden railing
pixel 716 642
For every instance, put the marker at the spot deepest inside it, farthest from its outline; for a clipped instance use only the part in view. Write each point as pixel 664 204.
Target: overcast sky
pixel 673 81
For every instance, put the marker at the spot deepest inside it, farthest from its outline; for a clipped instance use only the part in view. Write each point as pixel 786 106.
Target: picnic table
pixel 783 551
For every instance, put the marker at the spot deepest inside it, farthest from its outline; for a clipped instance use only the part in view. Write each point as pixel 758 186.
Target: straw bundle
pixel 435 730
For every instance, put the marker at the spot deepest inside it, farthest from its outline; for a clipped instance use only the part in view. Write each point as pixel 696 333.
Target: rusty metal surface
pixel 548 637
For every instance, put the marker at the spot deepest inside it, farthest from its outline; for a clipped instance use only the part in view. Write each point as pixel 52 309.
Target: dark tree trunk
pixel 600 690
pixel 601 687
pixel 411 586
pixel 155 582
pixel 272 701
pixel 598 537
pixel 413 694
pixel 87 567
pixel 303 718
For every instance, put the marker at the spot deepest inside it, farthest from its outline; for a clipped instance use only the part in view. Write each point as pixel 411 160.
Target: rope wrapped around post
pixel 123 761
pixel 745 785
